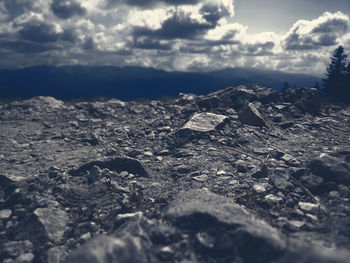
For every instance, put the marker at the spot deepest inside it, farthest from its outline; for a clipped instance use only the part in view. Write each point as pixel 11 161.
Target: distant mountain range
pixel 71 82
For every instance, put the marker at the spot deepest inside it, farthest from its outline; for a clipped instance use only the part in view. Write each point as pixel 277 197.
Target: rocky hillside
pixel 241 175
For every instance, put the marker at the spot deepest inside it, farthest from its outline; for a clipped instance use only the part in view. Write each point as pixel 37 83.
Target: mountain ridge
pixel 127 83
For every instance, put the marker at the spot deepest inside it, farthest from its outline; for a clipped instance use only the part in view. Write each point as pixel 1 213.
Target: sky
pixel 184 35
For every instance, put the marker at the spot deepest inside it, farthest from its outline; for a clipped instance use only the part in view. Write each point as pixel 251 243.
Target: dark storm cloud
pixel 296 41
pixel 260 47
pixel 69 35
pixel 148 3
pixel 16 7
pixel 24 46
pixel 213 13
pixel 332 25
pixel 321 32
pixel 89 44
pixel 41 33
pixel 150 43
pixel 177 26
pixel 65 9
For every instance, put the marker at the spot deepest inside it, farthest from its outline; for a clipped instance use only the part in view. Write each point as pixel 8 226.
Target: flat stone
pixel 259 188
pixel 201 178
pixel 204 122
pixel 221 172
pixel 5 213
pixel 309 207
pixel 273 200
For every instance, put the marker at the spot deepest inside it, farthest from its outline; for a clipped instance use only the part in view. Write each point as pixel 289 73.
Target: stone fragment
pixel 56 254
pixel 209 102
pixel 241 166
pixel 251 116
pixel 94 174
pixel 24 258
pixel 201 178
pixel 309 207
pixel 259 188
pixel 204 122
pixel 5 213
pixel 280 179
pixel 273 200
pixel 45 224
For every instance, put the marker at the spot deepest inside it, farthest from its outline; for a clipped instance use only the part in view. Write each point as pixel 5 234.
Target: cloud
pixel 148 3
pixel 321 32
pixel 180 25
pixel 66 9
pixel 165 34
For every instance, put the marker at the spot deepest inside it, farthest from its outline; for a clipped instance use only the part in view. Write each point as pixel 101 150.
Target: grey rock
pixel 305 99
pixel 251 116
pixel 108 249
pixel 24 258
pixel 5 213
pixel 94 174
pixel 204 122
pixel 130 243
pixel 201 210
pixel 330 169
pixel 14 249
pixel 209 102
pixel 45 224
pixel 280 179
pixel 56 254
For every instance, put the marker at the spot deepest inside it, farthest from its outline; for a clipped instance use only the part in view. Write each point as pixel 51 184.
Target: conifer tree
pixel 347 84
pixel 334 83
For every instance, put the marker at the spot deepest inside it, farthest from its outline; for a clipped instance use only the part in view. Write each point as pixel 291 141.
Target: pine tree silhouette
pixel 334 83
pixel 347 84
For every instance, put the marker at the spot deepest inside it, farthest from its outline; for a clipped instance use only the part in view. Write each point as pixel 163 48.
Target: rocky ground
pixel 241 175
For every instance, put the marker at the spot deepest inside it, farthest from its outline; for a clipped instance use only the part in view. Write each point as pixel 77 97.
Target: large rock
pixel 251 116
pixel 204 122
pixel 215 218
pixel 118 164
pixel 304 99
pixel 45 224
pixel 236 97
pixel 130 243
pixel 331 169
pixel 108 249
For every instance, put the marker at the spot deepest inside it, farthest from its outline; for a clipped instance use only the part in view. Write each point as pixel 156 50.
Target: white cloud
pixel 167 34
pixel 317 33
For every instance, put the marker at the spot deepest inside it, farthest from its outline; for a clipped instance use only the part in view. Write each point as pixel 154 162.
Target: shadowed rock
pixel 201 210
pixel 116 164
pixel 251 116
pixel 330 169
pixel 129 243
pixel 45 224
